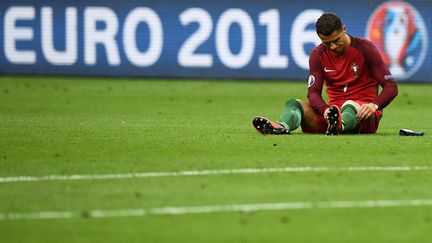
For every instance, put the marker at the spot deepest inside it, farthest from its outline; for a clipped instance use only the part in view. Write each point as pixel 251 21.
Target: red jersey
pixel 354 75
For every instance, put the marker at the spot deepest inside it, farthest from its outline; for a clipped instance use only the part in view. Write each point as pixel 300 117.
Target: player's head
pixel 328 23
pixel 332 33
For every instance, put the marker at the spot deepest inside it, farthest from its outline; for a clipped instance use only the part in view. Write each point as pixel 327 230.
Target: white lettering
pixel 105 37
pixel 300 36
pixel 69 55
pixel 12 34
pixel 273 58
pixel 187 56
pixel 151 56
pixel 247 48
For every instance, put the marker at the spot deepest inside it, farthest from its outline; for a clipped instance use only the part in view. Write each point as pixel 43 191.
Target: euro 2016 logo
pixel 400 34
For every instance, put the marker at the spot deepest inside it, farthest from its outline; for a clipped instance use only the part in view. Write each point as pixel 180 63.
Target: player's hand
pixel 366 111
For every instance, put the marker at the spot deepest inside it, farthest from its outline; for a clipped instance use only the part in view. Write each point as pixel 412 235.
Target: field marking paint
pixel 215 209
pixel 210 172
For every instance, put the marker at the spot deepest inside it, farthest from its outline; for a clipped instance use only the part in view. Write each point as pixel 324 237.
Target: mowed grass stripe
pixel 216 209
pixel 78 177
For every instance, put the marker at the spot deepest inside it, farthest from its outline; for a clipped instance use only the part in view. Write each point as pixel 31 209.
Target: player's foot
pixel 265 126
pixel 334 121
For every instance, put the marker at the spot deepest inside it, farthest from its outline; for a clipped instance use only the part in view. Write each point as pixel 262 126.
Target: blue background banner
pixel 207 39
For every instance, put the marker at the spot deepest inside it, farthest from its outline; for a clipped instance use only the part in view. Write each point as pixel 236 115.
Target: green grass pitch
pixel 93 126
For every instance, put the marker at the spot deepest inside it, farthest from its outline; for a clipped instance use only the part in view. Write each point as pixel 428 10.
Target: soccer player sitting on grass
pixel 351 68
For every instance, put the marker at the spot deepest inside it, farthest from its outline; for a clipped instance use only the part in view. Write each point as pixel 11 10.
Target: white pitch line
pixel 215 209
pixel 210 172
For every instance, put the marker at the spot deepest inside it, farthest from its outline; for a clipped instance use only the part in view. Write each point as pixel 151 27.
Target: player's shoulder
pixel 367 48
pixel 359 42
pixel 318 50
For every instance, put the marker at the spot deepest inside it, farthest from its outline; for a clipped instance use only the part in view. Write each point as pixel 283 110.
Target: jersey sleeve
pixel 315 83
pixel 381 74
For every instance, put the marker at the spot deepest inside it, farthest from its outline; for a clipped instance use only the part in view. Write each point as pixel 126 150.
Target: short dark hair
pixel 328 23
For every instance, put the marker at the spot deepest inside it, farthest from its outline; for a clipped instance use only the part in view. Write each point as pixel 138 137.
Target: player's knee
pixel 293 102
pixel 303 104
pixel 353 103
pixel 306 107
pixel 308 112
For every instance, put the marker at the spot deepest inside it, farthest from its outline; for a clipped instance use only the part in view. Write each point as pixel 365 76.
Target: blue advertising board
pixel 208 39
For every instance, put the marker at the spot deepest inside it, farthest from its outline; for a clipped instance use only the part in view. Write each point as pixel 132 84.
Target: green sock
pixel 349 118
pixel 292 115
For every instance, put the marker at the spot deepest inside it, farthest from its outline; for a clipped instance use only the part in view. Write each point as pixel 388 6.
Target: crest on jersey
pixel 311 80
pixel 355 69
pixel 399 32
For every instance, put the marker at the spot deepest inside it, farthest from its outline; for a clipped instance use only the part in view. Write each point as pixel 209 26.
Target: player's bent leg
pixel 296 113
pixel 289 120
pixel 311 122
pixel 349 118
pixel 265 126
pixel 352 125
pixel 292 115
